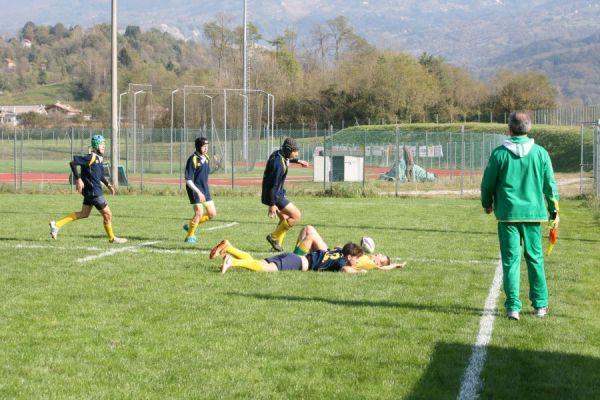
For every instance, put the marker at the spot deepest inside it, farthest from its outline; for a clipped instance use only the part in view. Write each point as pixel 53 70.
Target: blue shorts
pixel 193 196
pixel 286 262
pixel 97 201
pixel 281 202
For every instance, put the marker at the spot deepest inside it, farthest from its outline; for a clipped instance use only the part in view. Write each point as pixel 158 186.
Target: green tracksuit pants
pixel 529 234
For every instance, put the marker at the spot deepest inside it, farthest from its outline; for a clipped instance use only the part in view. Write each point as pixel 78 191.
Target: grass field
pixel 155 319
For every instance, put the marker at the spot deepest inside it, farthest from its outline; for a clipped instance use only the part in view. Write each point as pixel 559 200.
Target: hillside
pixel 477 34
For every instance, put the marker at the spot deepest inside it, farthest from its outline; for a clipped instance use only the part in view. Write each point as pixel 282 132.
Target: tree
pixel 220 39
pixel 522 91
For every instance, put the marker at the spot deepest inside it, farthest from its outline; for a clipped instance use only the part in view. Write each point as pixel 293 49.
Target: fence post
pixel 462 161
pixel 397 160
pixel 15 158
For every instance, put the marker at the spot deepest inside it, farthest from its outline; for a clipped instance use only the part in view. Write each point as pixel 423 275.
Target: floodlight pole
pixel 212 126
pixel 114 143
pixel 171 143
pixel 135 124
pixel 245 72
pixel 118 157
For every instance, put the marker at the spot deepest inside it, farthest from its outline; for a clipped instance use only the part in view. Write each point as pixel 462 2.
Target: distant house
pixel 64 110
pixel 9 114
pixel 26 43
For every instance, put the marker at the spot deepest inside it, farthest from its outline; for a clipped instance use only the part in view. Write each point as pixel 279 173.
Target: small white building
pixel 9 114
pixel 61 109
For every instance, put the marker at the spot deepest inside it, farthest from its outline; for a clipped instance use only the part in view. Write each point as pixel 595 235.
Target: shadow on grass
pixel 511 374
pixel 448 309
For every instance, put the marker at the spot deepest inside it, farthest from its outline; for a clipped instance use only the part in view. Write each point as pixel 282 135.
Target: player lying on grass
pixel 342 260
pixel 88 183
pixel 310 240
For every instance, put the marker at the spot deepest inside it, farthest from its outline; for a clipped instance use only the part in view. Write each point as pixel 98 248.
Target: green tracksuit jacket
pixel 516 181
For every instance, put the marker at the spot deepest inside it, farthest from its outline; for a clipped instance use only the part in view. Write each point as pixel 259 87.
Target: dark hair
pixel 200 141
pixel 387 260
pixel 352 249
pixel 289 145
pixel 519 123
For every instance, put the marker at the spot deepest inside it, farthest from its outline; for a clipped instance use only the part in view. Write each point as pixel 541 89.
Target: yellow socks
pixel 301 249
pixel 237 253
pixel 279 232
pixel 69 218
pixel 191 229
pixel 253 265
pixel 109 232
pixel 192 226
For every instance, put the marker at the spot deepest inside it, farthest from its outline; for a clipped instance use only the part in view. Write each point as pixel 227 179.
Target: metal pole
pixel 225 130
pixel 15 157
pixel 581 165
pixel 245 121
pixel 171 142
pixel 114 144
pixel 135 127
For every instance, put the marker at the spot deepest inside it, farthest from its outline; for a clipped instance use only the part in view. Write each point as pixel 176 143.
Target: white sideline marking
pixel 214 228
pixel 440 261
pixel 114 251
pixel 43 246
pixel 471 380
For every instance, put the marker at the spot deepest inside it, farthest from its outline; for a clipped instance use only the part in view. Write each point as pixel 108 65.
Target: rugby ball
pixel 367 244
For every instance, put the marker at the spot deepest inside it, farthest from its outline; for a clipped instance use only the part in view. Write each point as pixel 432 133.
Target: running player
pixel 197 169
pixel 88 183
pixel 273 192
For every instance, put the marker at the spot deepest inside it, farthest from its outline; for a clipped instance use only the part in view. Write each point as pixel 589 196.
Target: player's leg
pixel 534 258
pixel 107 217
pixel 289 215
pixel 509 236
pixel 74 216
pixel 225 247
pixel 309 239
pixel 194 222
pixel 250 264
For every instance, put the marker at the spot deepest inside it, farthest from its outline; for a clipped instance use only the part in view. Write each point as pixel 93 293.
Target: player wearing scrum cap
pixel 88 183
pixel 197 169
pixel 273 192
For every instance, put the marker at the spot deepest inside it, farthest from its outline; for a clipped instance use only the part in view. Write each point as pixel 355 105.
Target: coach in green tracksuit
pixel 516 181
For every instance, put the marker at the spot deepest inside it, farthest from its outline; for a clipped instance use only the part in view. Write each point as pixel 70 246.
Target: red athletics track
pixel 374 173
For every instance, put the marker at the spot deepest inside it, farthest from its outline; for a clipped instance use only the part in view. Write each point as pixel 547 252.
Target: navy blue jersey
pixel 326 260
pixel 273 178
pixel 92 171
pixel 197 169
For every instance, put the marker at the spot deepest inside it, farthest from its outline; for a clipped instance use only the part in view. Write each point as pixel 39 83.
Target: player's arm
pixel 303 163
pixel 273 175
pixel 108 185
pixel 550 190
pixel 488 185
pixel 190 169
pixel 78 181
pixel 392 266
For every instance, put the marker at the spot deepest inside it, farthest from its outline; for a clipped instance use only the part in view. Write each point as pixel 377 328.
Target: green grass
pixel 159 321
pixel 44 94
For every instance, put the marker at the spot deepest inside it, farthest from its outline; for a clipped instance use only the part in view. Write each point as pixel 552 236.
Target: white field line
pixel 214 228
pixel 114 251
pixel 44 246
pixel 471 379
pixel 440 261
pixel 191 251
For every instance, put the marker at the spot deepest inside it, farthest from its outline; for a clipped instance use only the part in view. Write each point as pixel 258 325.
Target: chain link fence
pixel 361 158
